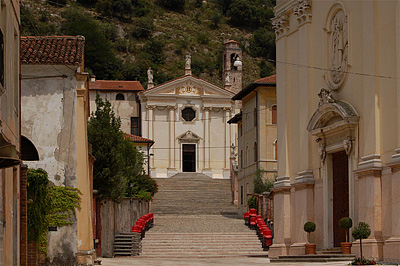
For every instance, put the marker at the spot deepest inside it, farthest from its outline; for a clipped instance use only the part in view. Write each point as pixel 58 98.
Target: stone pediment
pixel 188 136
pixel 189 86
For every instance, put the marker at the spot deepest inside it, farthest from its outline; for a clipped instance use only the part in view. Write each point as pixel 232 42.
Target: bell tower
pixel 232 67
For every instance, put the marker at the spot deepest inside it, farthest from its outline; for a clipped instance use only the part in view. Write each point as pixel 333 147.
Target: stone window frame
pixel 119 98
pixel 196 114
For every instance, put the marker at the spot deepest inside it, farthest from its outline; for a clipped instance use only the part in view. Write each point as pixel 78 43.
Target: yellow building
pixel 55 110
pixel 256 135
pixel 9 133
pixel 338 129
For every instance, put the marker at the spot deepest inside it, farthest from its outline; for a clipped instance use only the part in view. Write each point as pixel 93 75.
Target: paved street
pixel 225 261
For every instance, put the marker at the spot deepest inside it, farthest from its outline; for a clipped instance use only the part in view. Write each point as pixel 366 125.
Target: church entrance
pixel 340 176
pixel 189 157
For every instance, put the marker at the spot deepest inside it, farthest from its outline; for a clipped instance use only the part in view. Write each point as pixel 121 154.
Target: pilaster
pixel 207 169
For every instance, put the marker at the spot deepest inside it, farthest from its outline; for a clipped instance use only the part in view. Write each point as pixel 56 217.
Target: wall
pixel 125 109
pixel 49 115
pixel 118 218
pixel 10 127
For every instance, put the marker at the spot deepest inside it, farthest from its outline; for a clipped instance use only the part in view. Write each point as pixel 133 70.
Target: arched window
pixel 274 115
pixel 120 97
pixel 255 152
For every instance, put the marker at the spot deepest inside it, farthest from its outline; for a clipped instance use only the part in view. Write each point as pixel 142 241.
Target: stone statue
pixel 188 61
pixel 150 75
pixel 228 78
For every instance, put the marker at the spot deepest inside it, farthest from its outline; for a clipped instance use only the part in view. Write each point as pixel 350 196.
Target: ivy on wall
pixel 48 206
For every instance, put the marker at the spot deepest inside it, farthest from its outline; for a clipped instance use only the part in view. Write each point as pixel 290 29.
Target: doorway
pixel 189 157
pixel 340 174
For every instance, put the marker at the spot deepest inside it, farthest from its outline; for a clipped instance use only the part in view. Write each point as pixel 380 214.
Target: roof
pixel 113 85
pixel 138 139
pixel 266 82
pixel 232 41
pixel 236 118
pixel 53 50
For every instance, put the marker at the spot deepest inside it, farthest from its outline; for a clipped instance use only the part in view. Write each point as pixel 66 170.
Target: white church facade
pixel 187 118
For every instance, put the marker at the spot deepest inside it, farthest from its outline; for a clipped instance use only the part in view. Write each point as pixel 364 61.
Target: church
pixel 338 95
pixel 187 119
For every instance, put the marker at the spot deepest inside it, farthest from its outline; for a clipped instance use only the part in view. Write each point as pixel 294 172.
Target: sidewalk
pixel 226 261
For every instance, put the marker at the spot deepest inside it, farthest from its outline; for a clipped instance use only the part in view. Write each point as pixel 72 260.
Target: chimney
pixel 93 78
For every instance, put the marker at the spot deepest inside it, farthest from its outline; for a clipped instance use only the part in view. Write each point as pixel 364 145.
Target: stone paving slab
pixel 225 261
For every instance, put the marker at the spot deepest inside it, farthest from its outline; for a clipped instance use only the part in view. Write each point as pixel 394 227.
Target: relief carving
pixel 338 49
pixel 325 97
pixel 347 146
pixel 322 153
pixel 303 11
pixel 280 23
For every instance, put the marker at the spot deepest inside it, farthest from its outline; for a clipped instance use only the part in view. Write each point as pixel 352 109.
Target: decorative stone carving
pixel 338 47
pixel 347 146
pixel 189 137
pixel 322 153
pixel 325 97
pixel 281 24
pixel 228 78
pixel 303 11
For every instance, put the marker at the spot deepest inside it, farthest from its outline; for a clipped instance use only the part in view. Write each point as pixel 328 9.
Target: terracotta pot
pixel 310 249
pixel 346 247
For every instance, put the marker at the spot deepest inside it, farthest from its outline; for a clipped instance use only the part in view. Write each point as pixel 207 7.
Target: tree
pixel 105 137
pixel 362 231
pixel 261 185
pixel 263 44
pixel 99 57
pixel 176 5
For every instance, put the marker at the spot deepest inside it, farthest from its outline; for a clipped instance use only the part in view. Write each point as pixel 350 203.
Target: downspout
pixel 258 132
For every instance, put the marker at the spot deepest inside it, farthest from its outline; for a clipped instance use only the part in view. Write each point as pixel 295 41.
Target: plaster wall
pixel 49 120
pixel 370 85
pixel 124 109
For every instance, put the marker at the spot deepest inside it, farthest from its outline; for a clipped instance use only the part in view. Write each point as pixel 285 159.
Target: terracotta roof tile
pixel 138 139
pixel 54 50
pixel 112 85
pixel 270 79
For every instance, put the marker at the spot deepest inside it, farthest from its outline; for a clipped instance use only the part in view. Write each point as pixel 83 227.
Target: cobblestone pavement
pixel 226 261
pixel 198 224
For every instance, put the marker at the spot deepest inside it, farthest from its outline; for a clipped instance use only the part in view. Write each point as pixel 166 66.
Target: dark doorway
pixel 340 175
pixel 189 157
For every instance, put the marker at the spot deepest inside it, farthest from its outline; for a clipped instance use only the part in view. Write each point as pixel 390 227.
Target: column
pixel 171 118
pixel 227 136
pixel 207 138
pixel 150 122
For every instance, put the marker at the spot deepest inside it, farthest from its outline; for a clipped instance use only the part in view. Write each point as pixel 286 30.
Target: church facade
pixel 187 119
pixel 338 129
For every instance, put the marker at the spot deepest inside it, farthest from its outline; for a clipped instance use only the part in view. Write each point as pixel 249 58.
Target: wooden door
pixel 340 175
pixel 189 158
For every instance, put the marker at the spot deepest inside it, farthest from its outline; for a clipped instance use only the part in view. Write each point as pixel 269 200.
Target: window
pixel 1 59
pixel 135 126
pixel 241 159
pixel 255 117
pixel 240 129
pixel 188 114
pixel 255 152
pixel 241 195
pixel 120 97
pixel 276 149
pixel 274 115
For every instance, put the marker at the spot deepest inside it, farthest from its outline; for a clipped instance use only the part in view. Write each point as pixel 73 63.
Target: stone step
pixel 315 258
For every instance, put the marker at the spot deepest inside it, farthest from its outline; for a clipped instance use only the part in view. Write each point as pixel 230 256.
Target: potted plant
pixel 362 231
pixel 309 227
pixel 346 223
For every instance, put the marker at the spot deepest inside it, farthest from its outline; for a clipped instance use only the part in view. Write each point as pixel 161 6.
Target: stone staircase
pixel 127 244
pixel 194 217
pixel 193 193
pixel 201 245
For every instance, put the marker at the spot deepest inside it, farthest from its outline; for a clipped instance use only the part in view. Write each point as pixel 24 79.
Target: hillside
pixel 126 37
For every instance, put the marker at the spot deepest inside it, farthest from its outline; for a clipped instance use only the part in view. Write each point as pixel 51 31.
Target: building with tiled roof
pixel 257 137
pixel 186 117
pixel 123 96
pixel 54 114
pixel 143 145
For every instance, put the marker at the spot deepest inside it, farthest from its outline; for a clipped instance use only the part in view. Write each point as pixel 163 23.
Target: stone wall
pixel 118 218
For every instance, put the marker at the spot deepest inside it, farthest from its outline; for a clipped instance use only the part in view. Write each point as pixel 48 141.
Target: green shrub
pixel 346 223
pixel 362 231
pixel 309 227
pixel 252 202
pixel 202 38
pixel 57 2
pixel 177 5
pixel 141 27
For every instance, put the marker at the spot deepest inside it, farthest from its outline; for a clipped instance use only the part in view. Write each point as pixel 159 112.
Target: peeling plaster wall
pixel 49 121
